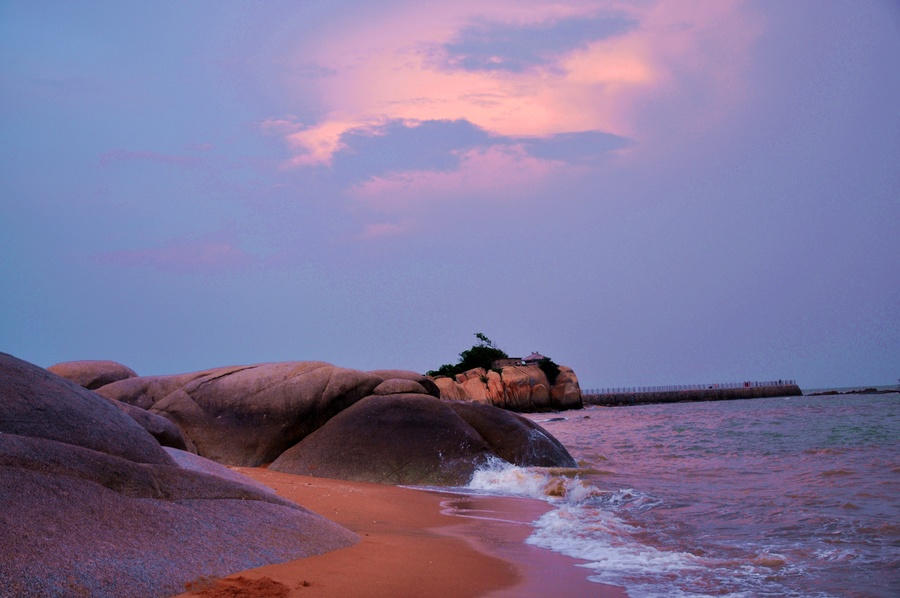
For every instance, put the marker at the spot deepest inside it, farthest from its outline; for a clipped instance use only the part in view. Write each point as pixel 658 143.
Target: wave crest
pixel 552 484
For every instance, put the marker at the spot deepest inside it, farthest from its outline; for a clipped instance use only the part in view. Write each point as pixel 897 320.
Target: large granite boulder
pixel 92 374
pixel 164 431
pixel 146 391
pixel 566 392
pixel 513 438
pixel 517 388
pixel 426 382
pixel 36 403
pixel 417 439
pixel 248 415
pixel 93 506
pixel 450 390
pixel 396 386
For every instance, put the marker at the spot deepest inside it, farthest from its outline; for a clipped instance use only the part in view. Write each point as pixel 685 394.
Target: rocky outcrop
pixel 94 506
pixel 566 392
pixel 517 388
pixel 248 415
pixel 514 438
pixel 418 439
pixel 399 386
pixel 398 439
pixel 164 431
pixel 92 374
pixel 35 403
pixel 426 382
pixel 302 417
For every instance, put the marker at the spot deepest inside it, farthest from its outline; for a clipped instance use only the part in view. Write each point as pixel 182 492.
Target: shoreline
pixel 412 542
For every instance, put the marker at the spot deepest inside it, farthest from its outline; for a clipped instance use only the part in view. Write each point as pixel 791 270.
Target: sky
pixel 650 192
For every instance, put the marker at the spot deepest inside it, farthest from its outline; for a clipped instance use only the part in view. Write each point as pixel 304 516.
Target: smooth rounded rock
pixel 93 506
pixel 514 438
pixel 392 439
pixel 429 385
pixel 92 374
pixel 417 439
pixel 399 386
pixel 35 402
pixel 248 415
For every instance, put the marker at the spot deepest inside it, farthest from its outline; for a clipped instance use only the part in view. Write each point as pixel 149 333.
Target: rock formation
pixel 517 388
pixel 397 439
pixel 386 426
pixel 248 415
pixel 93 505
pixel 418 439
pixel 92 374
pixel 514 438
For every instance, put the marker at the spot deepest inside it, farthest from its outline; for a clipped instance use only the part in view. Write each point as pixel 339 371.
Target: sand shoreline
pixel 412 543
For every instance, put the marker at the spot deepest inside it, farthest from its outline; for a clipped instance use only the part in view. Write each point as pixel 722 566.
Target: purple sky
pixel 649 192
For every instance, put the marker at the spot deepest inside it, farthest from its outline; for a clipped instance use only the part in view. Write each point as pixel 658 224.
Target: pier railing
pixel 676 393
pixel 680 387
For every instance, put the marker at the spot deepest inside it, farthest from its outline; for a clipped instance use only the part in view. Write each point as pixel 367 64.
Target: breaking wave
pixel 592 525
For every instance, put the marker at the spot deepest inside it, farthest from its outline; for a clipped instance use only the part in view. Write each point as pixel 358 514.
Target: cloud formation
pixel 522 69
pixel 493 46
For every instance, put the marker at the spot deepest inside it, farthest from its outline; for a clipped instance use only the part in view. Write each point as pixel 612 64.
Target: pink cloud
pixel 387 70
pixel 501 172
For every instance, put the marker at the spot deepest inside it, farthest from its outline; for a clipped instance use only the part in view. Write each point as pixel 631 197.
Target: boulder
pixel 399 386
pixel 429 385
pixel 450 390
pixel 195 462
pixel 92 374
pixel 514 438
pixel 146 391
pixel 93 506
pixel 525 388
pixel 392 439
pixel 566 392
pixel 248 415
pixel 37 403
pixel 417 439
pixel 164 431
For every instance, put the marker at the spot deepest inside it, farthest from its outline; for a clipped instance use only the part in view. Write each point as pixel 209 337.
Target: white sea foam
pixel 502 478
pixel 584 525
pixel 599 537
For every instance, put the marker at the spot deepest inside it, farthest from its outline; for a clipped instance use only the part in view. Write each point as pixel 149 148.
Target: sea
pixel 790 496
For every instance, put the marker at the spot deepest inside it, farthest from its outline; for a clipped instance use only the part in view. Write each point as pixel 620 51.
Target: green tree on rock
pixel 481 355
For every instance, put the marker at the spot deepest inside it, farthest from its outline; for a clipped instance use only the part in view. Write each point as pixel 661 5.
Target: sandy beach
pixel 412 543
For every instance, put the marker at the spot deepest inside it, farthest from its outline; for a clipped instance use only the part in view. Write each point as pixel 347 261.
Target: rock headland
pixel 523 388
pixel 314 418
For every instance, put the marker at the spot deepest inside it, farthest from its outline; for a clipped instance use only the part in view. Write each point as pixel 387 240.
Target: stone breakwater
pixel 696 394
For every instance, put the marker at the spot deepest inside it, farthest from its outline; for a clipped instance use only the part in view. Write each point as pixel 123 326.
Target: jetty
pixel 679 393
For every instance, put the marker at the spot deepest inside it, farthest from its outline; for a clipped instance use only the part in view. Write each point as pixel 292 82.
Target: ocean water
pixel 765 497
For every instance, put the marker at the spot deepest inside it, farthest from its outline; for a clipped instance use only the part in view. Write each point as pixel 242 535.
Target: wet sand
pixel 412 543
